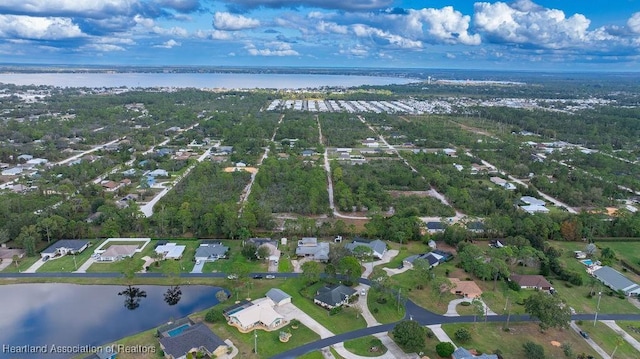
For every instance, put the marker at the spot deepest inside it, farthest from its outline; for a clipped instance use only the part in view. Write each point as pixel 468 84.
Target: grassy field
pixel 235 260
pixel 312 355
pixel 345 321
pixel 146 339
pixel 387 312
pixel 488 337
pixel 362 346
pixel 24 264
pixel 633 328
pixel 408 282
pixel 405 250
pixel 606 338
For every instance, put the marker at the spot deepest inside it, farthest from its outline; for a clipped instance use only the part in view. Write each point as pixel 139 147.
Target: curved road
pixel 413 311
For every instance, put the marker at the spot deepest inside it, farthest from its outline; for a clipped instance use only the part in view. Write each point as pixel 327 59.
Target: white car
pixel 198 262
pixel 363 292
pixel 270 276
pixel 232 276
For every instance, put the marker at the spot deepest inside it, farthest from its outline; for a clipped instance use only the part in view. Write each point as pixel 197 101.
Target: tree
pixel 478 309
pixel 173 294
pixel 337 252
pixel 410 335
pixel 133 295
pixel 607 256
pixel 214 315
pixel 350 268
pixel 249 251
pixel 264 252
pixel 441 285
pixel 619 341
pixel 549 309
pixel 590 249
pixel 533 350
pixel 445 349
pixel 463 335
pixel 16 260
pixel 311 271
pixel 362 252
pixel 222 296
pixel 28 238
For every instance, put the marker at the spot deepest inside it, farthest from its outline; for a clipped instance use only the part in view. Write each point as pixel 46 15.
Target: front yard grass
pixel 405 250
pixel 606 338
pixel 235 260
pixel 633 328
pixel 409 283
pixel 312 355
pixel 23 264
pixel 488 337
pixel 362 346
pixel 347 320
pixel 387 312
pixel 186 262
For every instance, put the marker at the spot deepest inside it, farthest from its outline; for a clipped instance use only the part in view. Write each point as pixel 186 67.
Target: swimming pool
pixel 587 262
pixel 176 331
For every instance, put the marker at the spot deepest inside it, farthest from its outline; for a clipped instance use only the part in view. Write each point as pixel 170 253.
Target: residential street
pixel 591 343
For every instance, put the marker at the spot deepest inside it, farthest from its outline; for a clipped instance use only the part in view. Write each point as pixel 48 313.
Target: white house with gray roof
pixel 309 247
pixel 65 246
pixel 378 247
pixel 210 252
pixel 616 281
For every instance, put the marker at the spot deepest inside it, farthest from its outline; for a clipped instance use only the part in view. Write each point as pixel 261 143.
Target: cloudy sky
pixel 522 34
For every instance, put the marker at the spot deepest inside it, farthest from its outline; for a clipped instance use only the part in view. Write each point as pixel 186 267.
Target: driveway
pixel 452 312
pixel 290 311
pixel 591 343
pixel 35 266
pixel 197 268
pixel 84 266
pixel 441 334
pixel 4 263
pixel 388 256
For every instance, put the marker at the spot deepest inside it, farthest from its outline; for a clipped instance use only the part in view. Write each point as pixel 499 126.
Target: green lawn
pixel 186 262
pixel 363 346
pixel 284 265
pixel 312 355
pixel 66 263
pixel 405 250
pixel 235 260
pixel 335 353
pixel 345 321
pixel 606 338
pixel 25 263
pixel 488 337
pixel 269 343
pixel 388 312
pixel 633 328
pixel 408 282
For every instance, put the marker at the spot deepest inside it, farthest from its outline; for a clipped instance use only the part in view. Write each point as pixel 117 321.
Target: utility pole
pixel 595 318
pixel 255 341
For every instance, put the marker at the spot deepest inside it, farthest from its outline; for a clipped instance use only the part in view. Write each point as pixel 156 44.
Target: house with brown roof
pixel 531 281
pixel 465 288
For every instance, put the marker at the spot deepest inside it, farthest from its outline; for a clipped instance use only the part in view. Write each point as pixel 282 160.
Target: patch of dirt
pixel 396 194
pixel 556 344
pixel 473 129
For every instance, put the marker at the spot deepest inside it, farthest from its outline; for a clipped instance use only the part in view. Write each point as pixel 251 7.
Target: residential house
pixel 170 250
pixel 278 297
pixel 370 142
pixel 531 209
pixel 378 247
pixel 37 161
pixel 258 314
pixel 435 227
pixel 475 227
pixel 14 171
pixel 462 353
pixel 333 296
pixel 434 258
pixel 309 247
pixel 465 288
pixel 210 252
pixel 197 338
pixel 308 153
pixel 449 152
pixel 532 201
pixel 25 157
pixel 534 281
pixel 64 247
pixel 503 183
pixel 118 252
pixel 616 281
pixel 109 186
pixel 158 173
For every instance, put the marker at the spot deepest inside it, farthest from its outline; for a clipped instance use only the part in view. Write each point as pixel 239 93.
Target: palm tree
pixel 619 341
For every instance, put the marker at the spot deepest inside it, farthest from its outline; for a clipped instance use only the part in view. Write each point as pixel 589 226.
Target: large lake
pixel 205 80
pixel 93 315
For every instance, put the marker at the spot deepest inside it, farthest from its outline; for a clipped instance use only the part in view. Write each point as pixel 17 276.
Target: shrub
pixel 462 335
pixel 533 350
pixel 429 333
pixel 335 310
pixel 465 304
pixel 375 310
pixel 214 315
pixel 381 300
pixel 567 350
pixel 445 349
pixel 513 285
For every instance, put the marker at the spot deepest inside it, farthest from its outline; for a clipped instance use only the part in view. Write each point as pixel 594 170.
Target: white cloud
pixel 524 22
pixel 168 44
pixel 213 34
pixel 275 48
pixel 39 28
pixel 440 25
pixel 174 31
pixel 103 47
pixel 144 21
pixel 383 38
pixel 331 27
pixel 231 22
pixel 634 23
pixel 357 51
pixel 85 8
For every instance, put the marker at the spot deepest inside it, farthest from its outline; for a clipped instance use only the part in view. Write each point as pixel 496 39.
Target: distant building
pixel 616 281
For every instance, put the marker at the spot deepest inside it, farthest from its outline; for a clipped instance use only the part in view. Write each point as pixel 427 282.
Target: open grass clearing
pixel 404 250
pixel 234 261
pixel 23 264
pixel 383 307
pixel 312 355
pixel 368 346
pixel 409 285
pixel 488 337
pixel 633 328
pixel 606 338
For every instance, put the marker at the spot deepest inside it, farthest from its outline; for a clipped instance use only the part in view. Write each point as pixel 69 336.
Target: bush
pixel 335 310
pixel 445 349
pixel 462 335
pixel 533 350
pixel 381 300
pixel 513 285
pixel 465 304
pixel 375 310
pixel 567 350
pixel 214 315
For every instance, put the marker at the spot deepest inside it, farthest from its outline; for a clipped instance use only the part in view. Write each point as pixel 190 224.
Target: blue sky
pixel 520 35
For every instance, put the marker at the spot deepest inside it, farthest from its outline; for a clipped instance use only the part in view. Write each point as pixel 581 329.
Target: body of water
pixel 206 80
pixel 50 318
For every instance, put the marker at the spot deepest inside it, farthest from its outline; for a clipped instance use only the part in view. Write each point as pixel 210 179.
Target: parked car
pixel 363 292
pixel 270 276
pixel 45 258
pixel 198 261
pixel 232 276
pixel 258 276
pixel 584 334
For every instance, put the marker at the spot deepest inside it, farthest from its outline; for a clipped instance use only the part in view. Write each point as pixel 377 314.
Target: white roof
pixel 532 201
pixel 535 208
pixel 171 250
pixel 260 312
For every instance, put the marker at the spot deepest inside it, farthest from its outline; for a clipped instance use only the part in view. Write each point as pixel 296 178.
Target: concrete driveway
pixel 628 338
pixel 197 268
pixel 591 343
pixel 290 311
